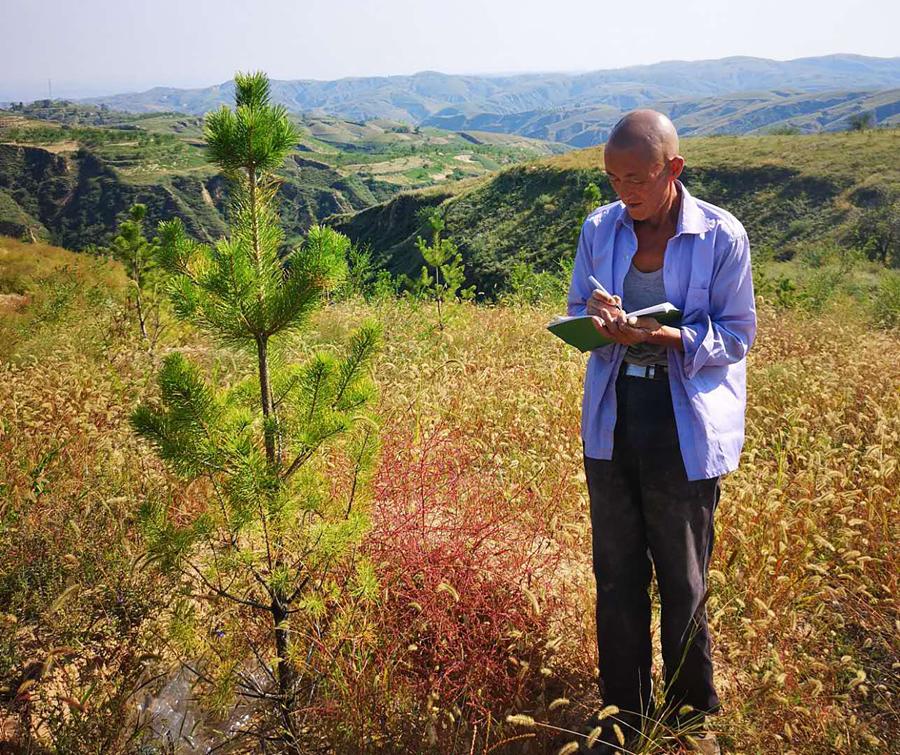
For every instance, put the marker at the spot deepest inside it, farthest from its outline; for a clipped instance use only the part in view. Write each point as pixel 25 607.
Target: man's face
pixel 642 181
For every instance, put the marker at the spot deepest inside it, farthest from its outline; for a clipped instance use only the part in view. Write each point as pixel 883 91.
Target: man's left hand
pixel 650 324
pixel 622 331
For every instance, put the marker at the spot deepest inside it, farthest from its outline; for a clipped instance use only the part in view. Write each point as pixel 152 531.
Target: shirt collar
pixel 691 219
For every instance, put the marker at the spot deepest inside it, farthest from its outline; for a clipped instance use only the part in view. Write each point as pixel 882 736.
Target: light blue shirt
pixel 706 273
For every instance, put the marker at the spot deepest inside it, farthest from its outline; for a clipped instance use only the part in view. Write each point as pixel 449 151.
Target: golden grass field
pixel 805 569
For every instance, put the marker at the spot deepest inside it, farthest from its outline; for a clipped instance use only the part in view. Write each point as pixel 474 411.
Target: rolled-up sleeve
pixel 726 333
pixel 579 287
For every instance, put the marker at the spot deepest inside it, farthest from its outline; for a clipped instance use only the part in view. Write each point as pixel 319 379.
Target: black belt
pixel 650 371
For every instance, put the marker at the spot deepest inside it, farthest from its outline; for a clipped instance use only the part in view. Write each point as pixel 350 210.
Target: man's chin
pixel 638 212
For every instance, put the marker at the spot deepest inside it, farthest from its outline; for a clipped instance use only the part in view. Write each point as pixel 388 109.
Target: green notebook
pixel 581 333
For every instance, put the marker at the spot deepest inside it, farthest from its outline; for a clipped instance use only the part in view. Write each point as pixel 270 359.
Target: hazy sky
pixel 92 47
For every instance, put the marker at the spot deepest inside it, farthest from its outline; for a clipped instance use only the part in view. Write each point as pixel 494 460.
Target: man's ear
pixel 676 165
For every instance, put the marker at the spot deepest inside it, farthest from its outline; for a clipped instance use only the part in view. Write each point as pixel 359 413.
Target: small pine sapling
pixel 449 275
pixel 280 458
pixel 361 272
pixel 138 254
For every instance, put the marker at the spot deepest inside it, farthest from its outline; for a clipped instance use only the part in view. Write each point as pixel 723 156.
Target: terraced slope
pixel 68 172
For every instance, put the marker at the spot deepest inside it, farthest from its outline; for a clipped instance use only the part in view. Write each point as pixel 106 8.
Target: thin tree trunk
pixel 286 674
pixel 440 295
pixel 140 313
pixel 138 302
pixel 266 397
pixel 286 671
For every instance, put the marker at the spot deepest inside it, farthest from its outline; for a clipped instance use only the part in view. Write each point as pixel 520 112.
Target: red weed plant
pixel 465 561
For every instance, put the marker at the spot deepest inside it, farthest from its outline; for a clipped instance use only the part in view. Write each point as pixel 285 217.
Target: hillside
pixel 759 113
pixel 791 192
pixel 745 95
pixel 78 197
pixel 68 172
pixel 38 283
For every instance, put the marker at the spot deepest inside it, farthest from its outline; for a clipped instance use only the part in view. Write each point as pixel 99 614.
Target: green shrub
pixel 780 290
pixel 877 233
pixel 818 254
pixel 385 286
pixel 529 286
pixel 886 303
pixel 361 274
pixel 821 288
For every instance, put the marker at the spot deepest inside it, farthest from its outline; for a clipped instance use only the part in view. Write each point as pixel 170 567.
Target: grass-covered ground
pixel 479 429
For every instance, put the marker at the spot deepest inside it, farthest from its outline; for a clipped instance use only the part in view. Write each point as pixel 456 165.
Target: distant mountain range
pixel 741 113
pixel 730 95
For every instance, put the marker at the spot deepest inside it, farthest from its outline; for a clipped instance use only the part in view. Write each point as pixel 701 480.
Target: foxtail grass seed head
pixel 559 702
pixel 520 719
pixel 609 710
pixel 449 589
pixel 532 598
pixel 568 749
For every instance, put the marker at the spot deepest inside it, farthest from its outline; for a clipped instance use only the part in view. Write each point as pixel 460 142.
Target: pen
pixel 599 287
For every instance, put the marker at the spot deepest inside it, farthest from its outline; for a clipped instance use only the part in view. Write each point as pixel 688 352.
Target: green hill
pixel 791 192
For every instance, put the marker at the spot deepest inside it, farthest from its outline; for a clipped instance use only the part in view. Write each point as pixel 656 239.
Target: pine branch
pixel 227 595
pixel 363 344
pixel 319 372
pixel 357 468
pixel 307 453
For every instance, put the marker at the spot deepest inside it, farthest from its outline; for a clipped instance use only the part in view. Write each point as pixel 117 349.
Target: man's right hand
pixel 607 308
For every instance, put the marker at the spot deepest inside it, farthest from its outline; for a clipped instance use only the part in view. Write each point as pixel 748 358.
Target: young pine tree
pixel 138 254
pixel 446 261
pixel 281 455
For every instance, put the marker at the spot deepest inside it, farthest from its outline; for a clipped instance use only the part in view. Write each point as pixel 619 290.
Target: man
pixel 662 420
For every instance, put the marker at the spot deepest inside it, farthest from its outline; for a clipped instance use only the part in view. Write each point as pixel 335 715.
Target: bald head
pixel 643 165
pixel 647 132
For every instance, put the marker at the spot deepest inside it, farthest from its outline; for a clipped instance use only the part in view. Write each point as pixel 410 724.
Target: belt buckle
pixel 642 371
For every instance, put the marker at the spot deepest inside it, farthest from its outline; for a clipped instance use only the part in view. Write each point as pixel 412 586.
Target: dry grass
pixel 23 266
pixel 77 619
pixel 806 564
pixel 805 568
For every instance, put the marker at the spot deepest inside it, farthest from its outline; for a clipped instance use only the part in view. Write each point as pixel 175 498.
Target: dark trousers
pixel 646 515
